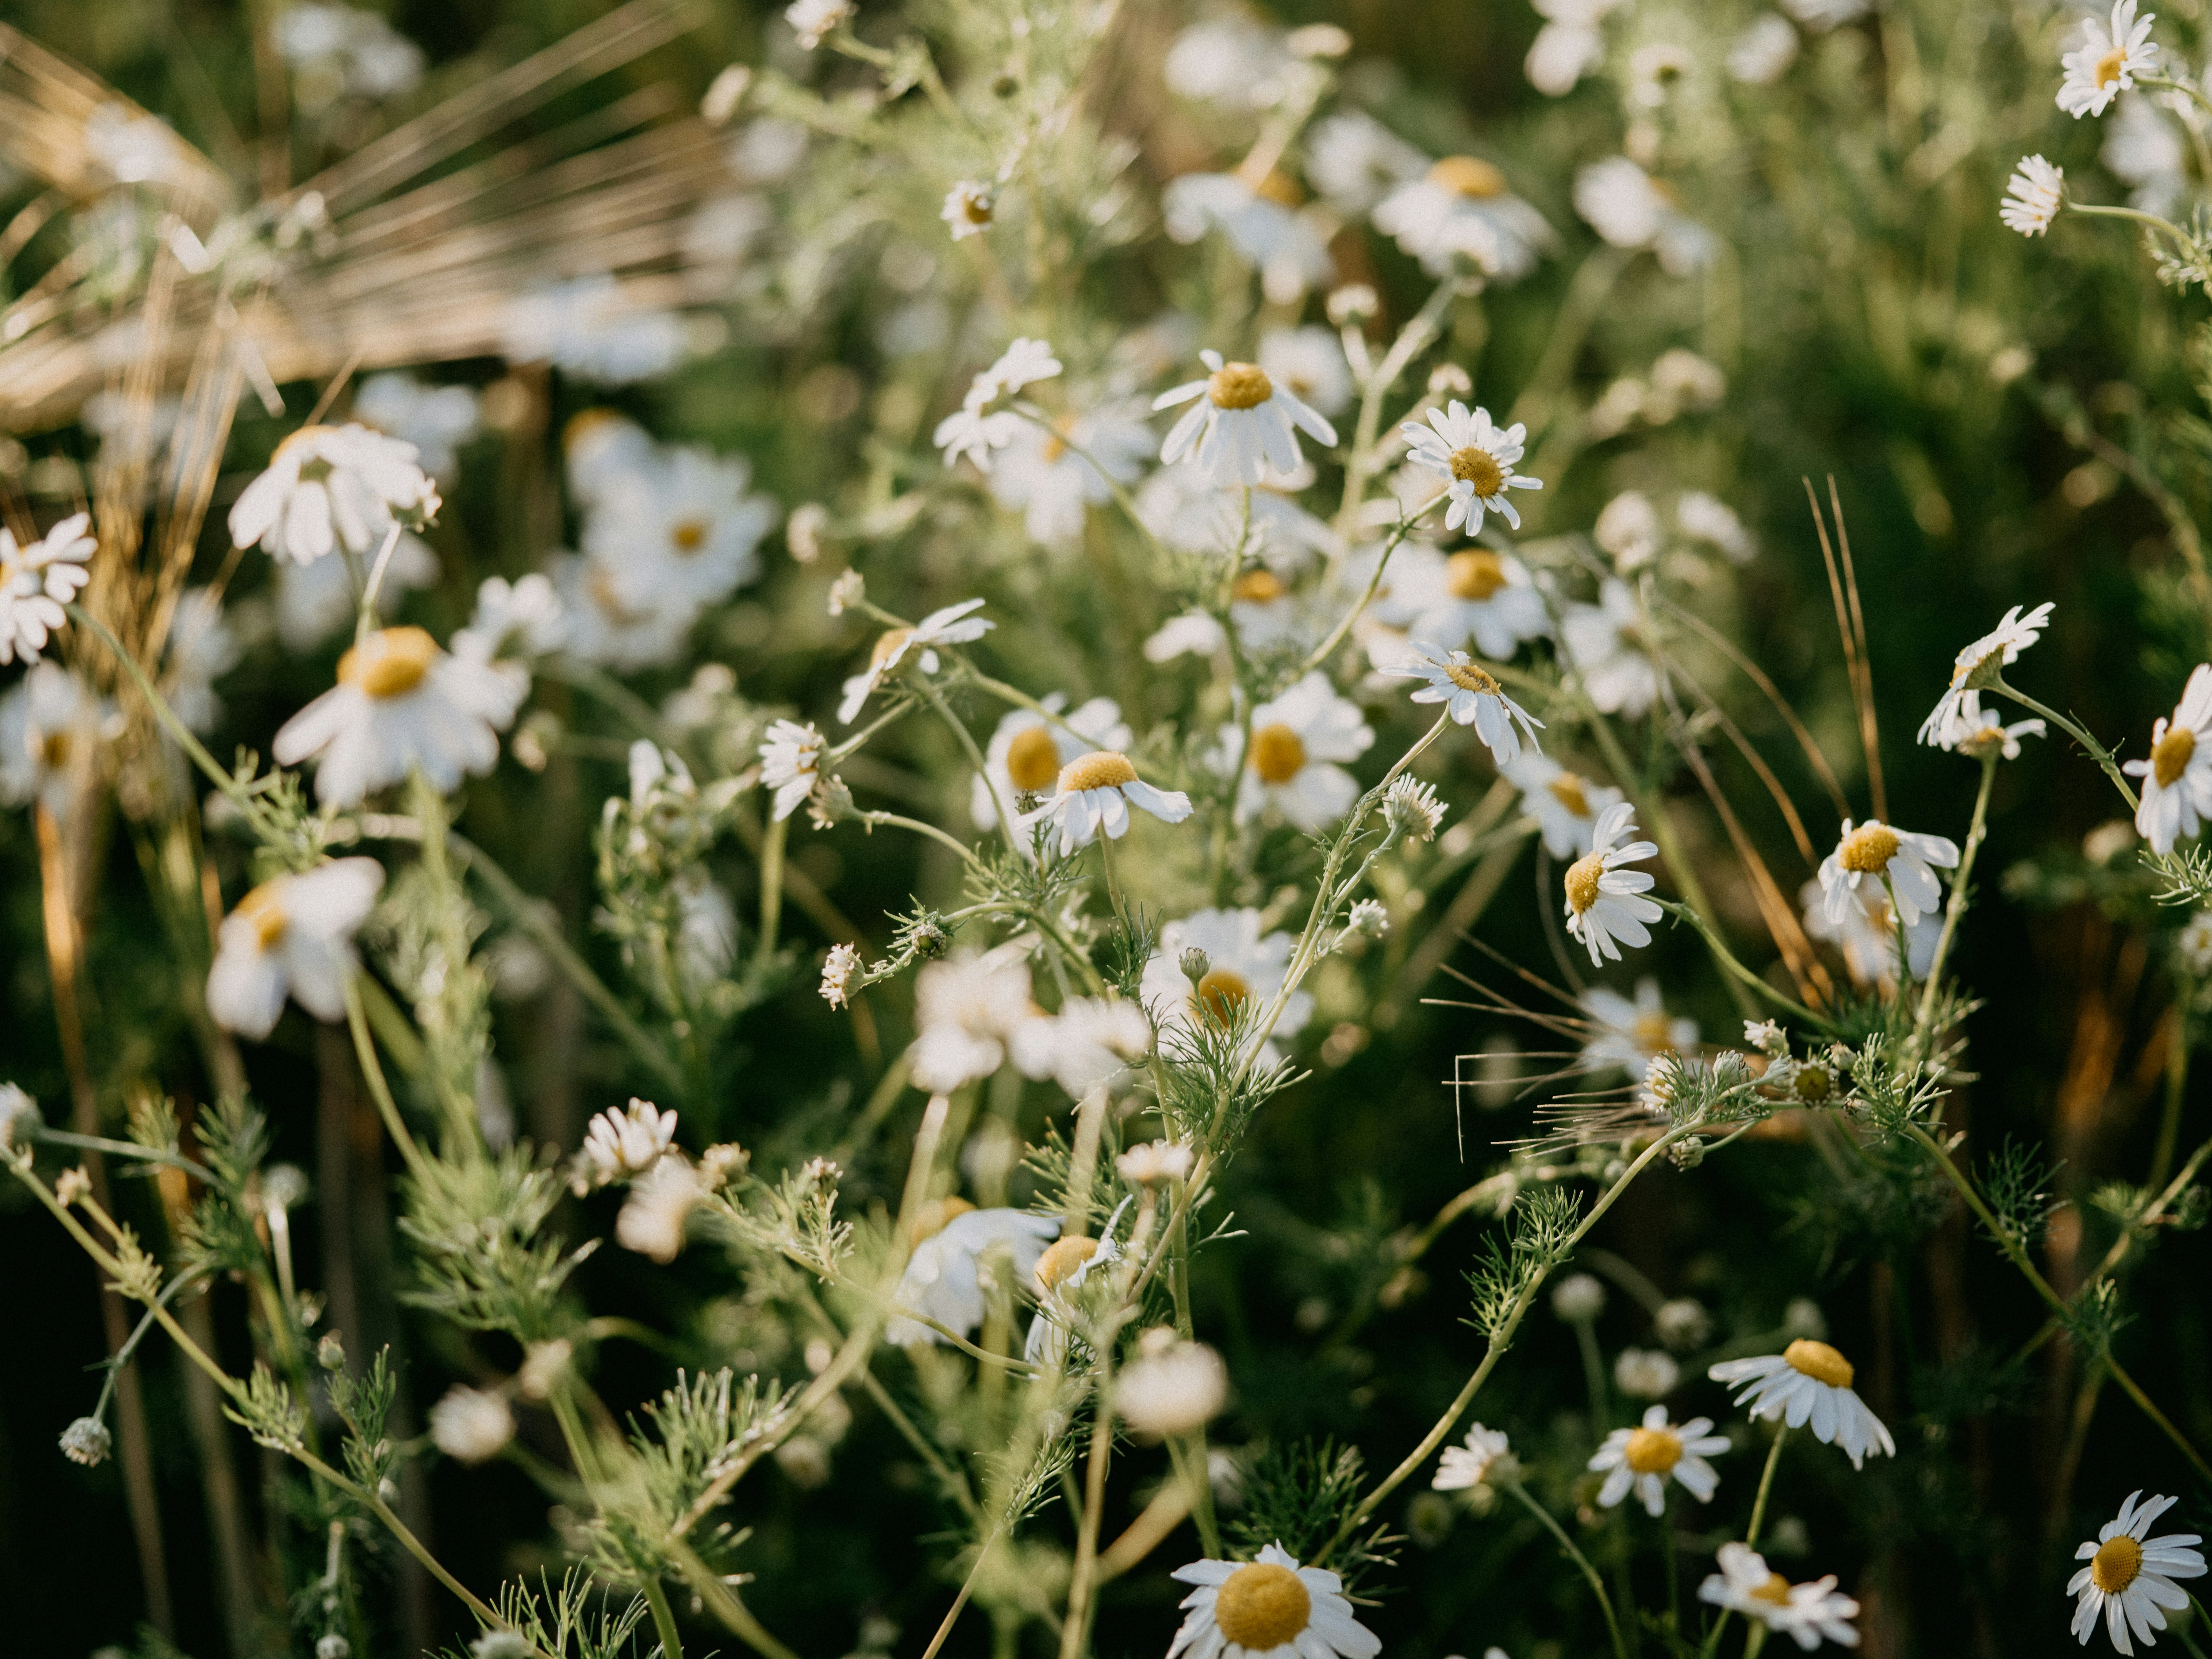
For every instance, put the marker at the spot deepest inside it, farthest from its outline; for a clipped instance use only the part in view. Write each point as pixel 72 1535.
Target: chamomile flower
pixel 1807 1613
pixel 956 625
pixel 943 1277
pixel 37 578
pixel 1606 906
pixel 596 328
pixel 2176 776
pixel 969 207
pixel 1091 1041
pixel 1958 712
pixel 1633 1034
pixel 515 622
pixel 2145 146
pixel 1242 424
pixel 1568 46
pixel 1994 737
pixel 53 731
pixel 1565 805
pixel 1298 740
pixel 1766 47
pixel 1271 1606
pixel 1264 225
pixel 1464 1467
pixel 1643 1459
pixel 1192 514
pixel 1027 751
pixel 1608 643
pixel 1477 457
pixel 967 1008
pixel 1876 855
pixel 604 628
pixel 2130 1577
pixel 400 704
pixel 621 1142
pixel 292 936
pixel 1472 696
pixel 1630 208
pixel 1171 1388
pixel 1866 933
pixel 1809 1382
pixel 1463 207
pixel 683 531
pixel 2107 61
pixel 838 968
pixel 1472 595
pixel 1094 793
pixel 1243 971
pixel 329 488
pixel 1354 161
pixel 1055 475
pixel 790 761
pixel 2033 195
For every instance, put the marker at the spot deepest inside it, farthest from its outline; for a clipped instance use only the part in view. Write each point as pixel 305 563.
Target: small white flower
pixel 1476 457
pixel 1683 1323
pixel 1809 1382
pixel 2176 776
pixel 400 704
pixel 943 1277
pixel 1630 208
pixel 1645 1373
pixel 1468 1465
pixel 348 50
pixel 1568 46
pixel 1028 752
pixel 1094 793
pixel 1876 851
pixel 1244 971
pixel 789 760
pixel 435 419
pixel 814 20
pixel 600 448
pixel 955 624
pixel 837 971
pixel 1462 207
pixel 1270 235
pixel 1055 475
pixel 660 1205
pixel 37 578
pixel 1767 46
pixel 683 531
pixel 596 328
pixel 1269 1607
pixel 471 1425
pixel 966 1009
pixel 1632 1035
pixel 1411 808
pixel 291 936
pixel 1145 1164
pixel 623 1142
pixel 1994 735
pixel 329 488
pixel 2107 61
pixel 1243 425
pixel 1367 920
pixel 2194 943
pixel 1472 696
pixel 1565 805
pixel 2033 195
pixel 1171 1388
pixel 1608 644
pixel 1605 902
pixel 1091 1041
pixel 1708 519
pixel 53 732
pixel 1576 1297
pixel 1298 740
pixel 975 434
pixel 2146 147
pixel 1190 512
pixel 2130 1577
pixel 1805 1612
pixel 514 622
pixel 1628 528
pixel 969 207
pixel 1643 1459
pixel 1193 634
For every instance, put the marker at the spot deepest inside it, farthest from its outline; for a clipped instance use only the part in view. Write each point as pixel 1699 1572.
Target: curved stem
pixel 119 1149
pixel 364 1048
pixel 1727 960
pixel 2074 730
pixel 1515 1489
pixel 1320 653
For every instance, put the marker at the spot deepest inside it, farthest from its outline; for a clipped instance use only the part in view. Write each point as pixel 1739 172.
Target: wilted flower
pixel 1958 712
pixel 1412 809
pixel 87 1441
pixel 1154 1161
pixel 661 1202
pixel 837 971
pixel 2033 195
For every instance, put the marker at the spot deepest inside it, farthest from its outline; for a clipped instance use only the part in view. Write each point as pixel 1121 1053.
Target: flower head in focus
pixel 955 624
pixel 1958 712
pixel 329 488
pixel 2130 1577
pixel 1028 751
pixel 2033 195
pixel 623 1142
pixel 37 578
pixel 1809 1382
pixel 1094 793
pixel 2177 773
pixel 291 936
pixel 1472 696
pixel 1902 861
pixel 1643 1459
pixel 1604 899
pixel 791 759
pixel 1270 1606
pixel 1243 425
pixel 2107 61
pixel 1477 460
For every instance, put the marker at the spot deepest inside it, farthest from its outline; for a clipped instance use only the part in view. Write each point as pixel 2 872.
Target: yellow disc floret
pixel 1478 468
pixel 1278 754
pixel 2116 1564
pixel 1221 993
pixel 1103 771
pixel 1239 385
pixel 262 909
pixel 1654 1451
pixel 1262 1606
pixel 1820 1362
pixel 1567 790
pixel 1867 849
pixel 1469 176
pixel 1033 759
pixel 390 663
pixel 2170 756
pixel 1469 677
pixel 1062 1257
pixel 1262 587
pixel 1474 574
pixel 1582 877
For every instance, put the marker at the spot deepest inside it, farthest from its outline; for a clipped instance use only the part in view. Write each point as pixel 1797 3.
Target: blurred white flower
pixel 314 601
pixel 1353 160
pixel 1633 1034
pixel 1805 1612
pixel 357 51
pixel 968 210
pixel 595 329
pixel 1245 969
pixel 1299 739
pixel 1234 60
pixel 1604 899
pixel 2194 943
pixel 37 578
pixel 1270 235
pixel 660 1204
pixel 1309 362
pixel 1474 594
pixel 599 446
pixel 2145 146
pixel 1608 643
pixel 1568 46
pixel 1867 933
pixel 943 1277
pixel 1054 475
pixel 623 1141
pixel 52 733
pixel 2107 61
pixel 1645 1373
pixel 400 704
pixel 291 936
pixel 966 1009
pixel 1766 47
pixel 683 531
pixel 1565 805
pixel 1630 208
pixel 514 622
pixel 1462 207
pixel 1171 1388
pixel 435 419
pixel 1708 519
pixel 1576 1297
pixel 1091 1041
pixel 1469 1465
pixel 329 488
pixel 471 1425
pixel 1242 425
pixel 202 648
pixel 813 20
pixel 1820 16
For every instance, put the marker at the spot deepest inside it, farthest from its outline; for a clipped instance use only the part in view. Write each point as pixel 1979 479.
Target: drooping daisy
pixel 1472 696
pixel 1462 208
pixel 1027 751
pixel 1264 225
pixel 292 936
pixel 956 625
pixel 1297 739
pixel 1565 805
pixel 2177 776
pixel 1608 643
pixel 2033 195
pixel 943 1277
pixel 1809 1382
pixel 1094 793
pixel 684 531
pixel 1632 1034
pixel 1476 457
pixel 1644 1458
pixel 515 623
pixel 789 761
pixel 1271 1606
pixel 52 732
pixel 1958 712
pixel 2107 61
pixel 1630 208
pixel 1243 424
pixel 1061 1274
pixel 400 704
pixel 332 487
pixel 967 1007
pixel 1867 933
pixel 1052 476
pixel 37 578
pixel 2130 1577
pixel 1244 971
pixel 1875 851
pixel 1604 900
pixel 1466 1467
pixel 1805 1612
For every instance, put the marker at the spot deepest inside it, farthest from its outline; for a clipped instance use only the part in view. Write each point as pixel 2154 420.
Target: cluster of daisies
pixel 2111 56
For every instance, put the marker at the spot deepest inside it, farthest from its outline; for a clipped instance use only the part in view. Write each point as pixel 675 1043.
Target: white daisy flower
pixel 789 761
pixel 599 447
pixel 1630 208
pixel 471 1425
pixel 1095 792
pixel 683 531
pixel 1474 594
pixel 1568 46
pixel 1171 1388
pixel 1643 1459
pixel 623 1141
pixel 1411 808
pixel 1875 850
pixel 604 629
pixel 1645 1373
pixel 2177 776
pixel 955 624
pixel 977 434
pixel 1298 738
pixel 969 207
pixel 1766 47
pixel 1462 207
pixel 1606 642
pixel 1866 932
pixel 2144 146
pixel 1466 1467
pixel 943 1277
pixel 1242 424
pixel 315 601
pixel 1633 1034
pixel 1025 362
pixel 1805 1612
pixel 1310 363
pixel 1192 514
pixel 1233 60
pixel 2033 195
pixel 399 703
pixel 1809 1382
pixel 2107 61
pixel 436 419
pixel 1476 457
pixel 1472 696
pixel 1565 805
pixel 596 328
pixel 1628 527
pixel 1994 735
pixel 1353 160
pixel 966 1008
pixel 292 936
pixel 1605 900
pixel 1706 518
pixel 329 488
pixel 53 732
pixel 202 648
pixel 1271 1606
pixel 2130 1577
pixel 1039 472
pixel 1091 1041
pixel 515 622
pixel 1244 971
pixel 1264 226
pixel 1027 752
pixel 1060 1273
pixel 37 578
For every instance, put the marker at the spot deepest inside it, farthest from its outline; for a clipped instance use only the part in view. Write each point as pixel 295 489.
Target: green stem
pixel 2080 733
pixel 1765 1486
pixel 1515 1489
pixel 119 1149
pixel 771 881
pixel 1727 960
pixel 1320 653
pixel 664 1619
pixel 364 1048
pixel 1957 907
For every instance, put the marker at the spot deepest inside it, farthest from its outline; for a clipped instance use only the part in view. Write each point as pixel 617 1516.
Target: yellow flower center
pixel 892 641
pixel 937 1215
pixel 261 907
pixel 2169 757
pixel 1221 993
pixel 1062 1257
pixel 2115 1565
pixel 1654 1451
pixel 54 751
pixel 1032 760
pixel 1775 1591
pixel 1239 385
pixel 1582 882
pixel 688 535
pixel 1474 574
pixel 1258 587
pixel 1103 771
pixel 1056 442
pixel 600 589
pixel 1567 790
pixel 1478 467
pixel 1262 1606
pixel 1812 1084
pixel 1467 175
pixel 1653 1031
pixel 1278 754
pixel 976 207
pixel 1867 849
pixel 1469 677
pixel 1820 1362
pixel 1959 672
pixel 2111 66
pixel 1280 188
pixel 390 663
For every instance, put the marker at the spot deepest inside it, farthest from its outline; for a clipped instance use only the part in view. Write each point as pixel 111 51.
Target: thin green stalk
pixel 1404 527
pixel 664 1619
pixel 1515 1489
pixel 1728 961
pixel 1957 907
pixel 364 1048
pixel 2080 733
pixel 771 885
pixel 118 1149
